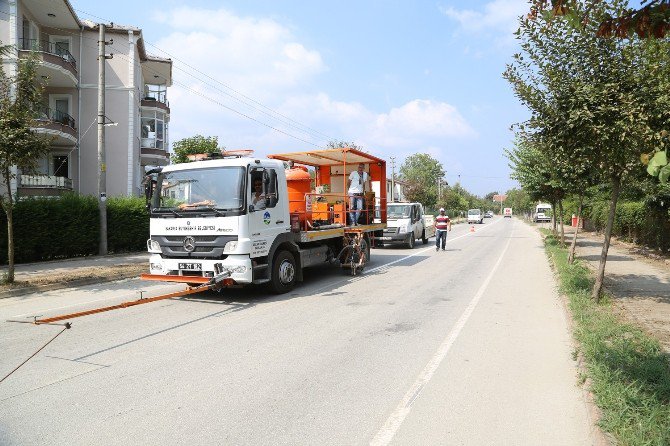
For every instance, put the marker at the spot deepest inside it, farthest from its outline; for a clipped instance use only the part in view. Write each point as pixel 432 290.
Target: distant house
pixel 135 99
pixel 398 191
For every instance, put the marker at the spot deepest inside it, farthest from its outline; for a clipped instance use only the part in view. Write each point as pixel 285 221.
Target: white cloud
pixel 497 16
pixel 420 120
pixel 264 60
pixel 249 53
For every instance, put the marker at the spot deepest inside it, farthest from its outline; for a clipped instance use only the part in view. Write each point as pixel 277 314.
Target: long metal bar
pixel 121 305
pixel 178 279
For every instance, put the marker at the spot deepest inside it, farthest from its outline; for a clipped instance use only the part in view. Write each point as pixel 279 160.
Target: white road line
pixel 395 420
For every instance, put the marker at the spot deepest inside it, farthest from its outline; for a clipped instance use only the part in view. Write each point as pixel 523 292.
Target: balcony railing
pixel 51 115
pixel 47 47
pixel 45 181
pixel 152 143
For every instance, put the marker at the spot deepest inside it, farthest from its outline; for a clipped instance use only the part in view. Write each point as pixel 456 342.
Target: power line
pixel 206 97
pixel 285 120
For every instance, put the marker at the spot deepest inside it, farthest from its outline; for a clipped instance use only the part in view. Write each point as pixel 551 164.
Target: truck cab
pixel 206 217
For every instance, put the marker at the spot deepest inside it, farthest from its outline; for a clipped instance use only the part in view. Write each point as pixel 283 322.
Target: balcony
pixel 40 185
pixel 153 157
pixel 56 62
pixel 58 124
pixel 156 99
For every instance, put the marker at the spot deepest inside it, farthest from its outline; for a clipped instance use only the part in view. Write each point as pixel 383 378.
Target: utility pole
pixel 392 158
pixel 102 166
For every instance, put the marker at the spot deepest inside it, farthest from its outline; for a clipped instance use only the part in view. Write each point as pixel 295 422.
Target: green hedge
pixel 69 226
pixel 634 221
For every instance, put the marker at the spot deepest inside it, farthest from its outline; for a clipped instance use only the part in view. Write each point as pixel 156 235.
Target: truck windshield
pixel 398 211
pixel 216 188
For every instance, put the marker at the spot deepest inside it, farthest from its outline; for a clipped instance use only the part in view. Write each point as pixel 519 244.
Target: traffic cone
pixel 472 228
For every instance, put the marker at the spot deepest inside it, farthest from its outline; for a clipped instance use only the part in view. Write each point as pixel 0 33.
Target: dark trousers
pixel 440 234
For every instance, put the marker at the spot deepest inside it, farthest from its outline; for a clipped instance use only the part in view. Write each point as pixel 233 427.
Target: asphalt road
pixel 468 346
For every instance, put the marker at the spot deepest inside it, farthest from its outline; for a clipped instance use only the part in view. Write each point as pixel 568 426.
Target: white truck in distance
pixel 406 223
pixel 542 213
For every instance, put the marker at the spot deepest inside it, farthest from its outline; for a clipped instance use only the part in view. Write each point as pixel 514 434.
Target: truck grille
pixel 390 230
pixel 206 246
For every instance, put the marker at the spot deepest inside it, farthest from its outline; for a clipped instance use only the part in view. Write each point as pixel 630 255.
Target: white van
pixel 475 216
pixel 542 213
pixel 507 213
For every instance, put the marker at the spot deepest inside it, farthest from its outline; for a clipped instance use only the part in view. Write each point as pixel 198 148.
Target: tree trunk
pixel 597 288
pixel 8 206
pixel 573 245
pixel 553 217
pixel 560 216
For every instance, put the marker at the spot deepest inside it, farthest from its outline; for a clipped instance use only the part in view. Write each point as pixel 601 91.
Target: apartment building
pixel 135 99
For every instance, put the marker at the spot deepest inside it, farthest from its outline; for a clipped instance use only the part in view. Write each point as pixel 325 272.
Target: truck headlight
pixel 153 246
pixel 402 228
pixel 230 246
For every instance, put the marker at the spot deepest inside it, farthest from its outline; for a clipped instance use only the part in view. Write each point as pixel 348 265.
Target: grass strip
pixel 629 373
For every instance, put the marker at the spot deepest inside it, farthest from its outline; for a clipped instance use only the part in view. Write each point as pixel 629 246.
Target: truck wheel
pixel 423 237
pixel 283 273
pixel 410 242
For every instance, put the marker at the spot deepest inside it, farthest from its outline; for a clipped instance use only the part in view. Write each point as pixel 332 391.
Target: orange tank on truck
pixel 239 220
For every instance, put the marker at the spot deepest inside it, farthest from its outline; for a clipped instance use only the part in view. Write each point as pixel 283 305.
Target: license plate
pixel 190 266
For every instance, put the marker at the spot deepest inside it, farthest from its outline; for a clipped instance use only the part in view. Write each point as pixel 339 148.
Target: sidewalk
pixel 44 276
pixel 639 284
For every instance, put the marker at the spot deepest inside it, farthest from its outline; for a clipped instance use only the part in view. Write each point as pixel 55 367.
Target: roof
pixel 329 157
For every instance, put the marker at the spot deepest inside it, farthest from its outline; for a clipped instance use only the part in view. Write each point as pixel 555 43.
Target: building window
pixel 153 130
pixel 60 166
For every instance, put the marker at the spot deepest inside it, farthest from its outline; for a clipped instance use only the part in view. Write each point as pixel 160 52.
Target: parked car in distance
pixel 475 216
pixel 488 214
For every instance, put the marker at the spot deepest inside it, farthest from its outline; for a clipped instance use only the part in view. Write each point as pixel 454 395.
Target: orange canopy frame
pixel 324 160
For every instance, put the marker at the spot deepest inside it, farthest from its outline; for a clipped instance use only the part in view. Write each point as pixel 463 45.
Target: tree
pixel 519 201
pixel 194 145
pixel 650 20
pixel 338 144
pixel 584 94
pixel 20 147
pixel 454 200
pixel 420 173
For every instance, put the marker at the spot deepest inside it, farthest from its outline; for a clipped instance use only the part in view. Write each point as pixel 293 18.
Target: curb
pixel 600 437
pixel 22 291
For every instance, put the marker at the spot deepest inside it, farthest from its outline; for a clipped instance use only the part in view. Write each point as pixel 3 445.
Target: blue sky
pixel 396 77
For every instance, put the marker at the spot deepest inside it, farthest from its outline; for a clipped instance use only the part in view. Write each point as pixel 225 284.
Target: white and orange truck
pixel 244 220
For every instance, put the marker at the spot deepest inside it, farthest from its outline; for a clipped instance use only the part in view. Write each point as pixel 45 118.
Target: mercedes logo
pixel 189 244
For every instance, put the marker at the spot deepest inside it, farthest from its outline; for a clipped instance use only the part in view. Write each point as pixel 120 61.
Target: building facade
pixel 135 99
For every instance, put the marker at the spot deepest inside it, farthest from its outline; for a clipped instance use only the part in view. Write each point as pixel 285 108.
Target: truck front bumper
pixel 239 267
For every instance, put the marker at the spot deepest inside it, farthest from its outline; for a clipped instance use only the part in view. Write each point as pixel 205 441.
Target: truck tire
pixel 283 273
pixel 423 237
pixel 410 242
